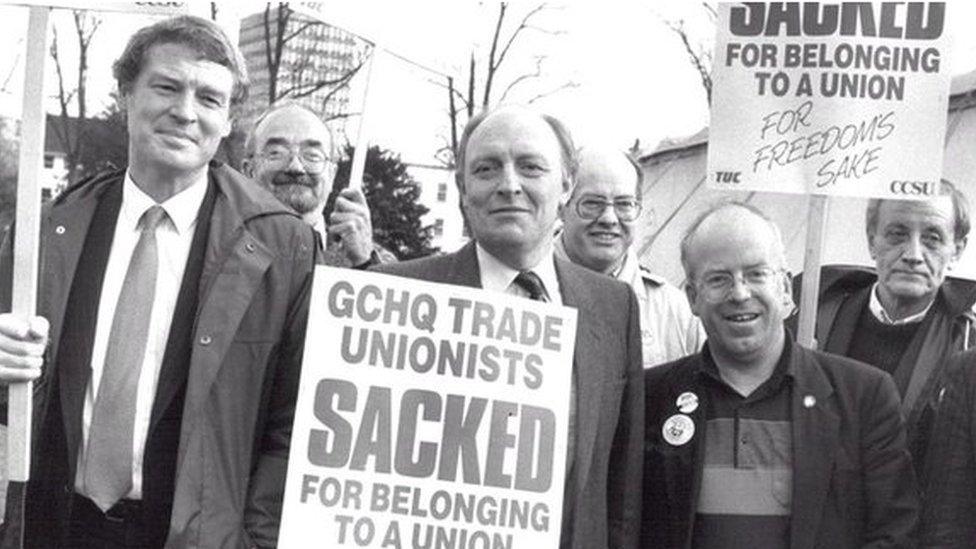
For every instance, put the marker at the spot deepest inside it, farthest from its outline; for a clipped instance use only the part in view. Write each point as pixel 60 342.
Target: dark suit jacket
pixel 949 518
pixel 241 378
pixel 602 496
pixel 853 483
pixel 920 375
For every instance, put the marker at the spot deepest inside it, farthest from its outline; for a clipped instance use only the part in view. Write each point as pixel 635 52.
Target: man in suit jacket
pixel 757 442
pixel 197 283
pixel 906 316
pixel 515 169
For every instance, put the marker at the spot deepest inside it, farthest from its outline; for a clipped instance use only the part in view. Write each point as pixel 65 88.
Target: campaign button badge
pixel 809 401
pixel 687 402
pixel 678 429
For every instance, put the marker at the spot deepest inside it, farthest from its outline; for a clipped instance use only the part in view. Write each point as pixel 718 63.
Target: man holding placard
pixel 515 169
pixel 177 296
pixel 756 441
pixel 291 153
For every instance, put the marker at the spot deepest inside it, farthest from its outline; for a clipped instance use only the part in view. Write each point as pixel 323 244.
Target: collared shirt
pixel 874 304
pixel 669 330
pixel 499 277
pixel 745 499
pixel 174 236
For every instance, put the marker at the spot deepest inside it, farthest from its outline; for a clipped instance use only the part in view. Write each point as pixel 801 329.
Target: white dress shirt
pixel 879 312
pixel 499 277
pixel 174 236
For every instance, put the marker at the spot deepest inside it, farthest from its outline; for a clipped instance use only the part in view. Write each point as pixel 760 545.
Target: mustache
pixel 303 179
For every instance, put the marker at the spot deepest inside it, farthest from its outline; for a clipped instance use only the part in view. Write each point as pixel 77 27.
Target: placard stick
pixel 362 134
pixel 26 236
pixel 816 226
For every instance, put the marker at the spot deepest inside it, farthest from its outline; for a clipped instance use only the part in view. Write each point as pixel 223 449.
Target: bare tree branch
pixel 700 59
pixel 710 10
pixel 502 6
pixel 518 30
pixel 566 86
pixel 523 78
pixel 304 26
pixel 306 89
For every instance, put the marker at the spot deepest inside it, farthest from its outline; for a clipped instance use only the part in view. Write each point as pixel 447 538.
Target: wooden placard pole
pixel 812 259
pixel 362 134
pixel 26 236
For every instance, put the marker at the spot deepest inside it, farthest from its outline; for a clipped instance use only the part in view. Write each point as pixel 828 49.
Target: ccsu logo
pixel 914 188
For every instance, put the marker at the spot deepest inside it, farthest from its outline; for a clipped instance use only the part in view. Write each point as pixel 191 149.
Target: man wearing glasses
pixel 291 153
pixel 757 442
pixel 598 233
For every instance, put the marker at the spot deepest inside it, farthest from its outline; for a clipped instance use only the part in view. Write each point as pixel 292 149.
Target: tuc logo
pixel 915 188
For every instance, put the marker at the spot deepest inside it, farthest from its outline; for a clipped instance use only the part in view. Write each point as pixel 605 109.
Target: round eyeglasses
pixel 717 286
pixel 313 159
pixel 626 209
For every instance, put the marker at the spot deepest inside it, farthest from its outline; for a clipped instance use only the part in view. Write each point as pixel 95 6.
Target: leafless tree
pixel 70 131
pixel 699 55
pixel 298 79
pixel 464 98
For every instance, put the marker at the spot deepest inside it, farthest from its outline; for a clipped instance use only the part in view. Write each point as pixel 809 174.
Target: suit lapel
pixel 172 374
pixel 590 382
pixel 815 438
pixel 464 269
pixel 66 235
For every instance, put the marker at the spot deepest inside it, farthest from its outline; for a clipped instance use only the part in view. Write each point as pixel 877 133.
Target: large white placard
pixel 845 98
pixel 429 415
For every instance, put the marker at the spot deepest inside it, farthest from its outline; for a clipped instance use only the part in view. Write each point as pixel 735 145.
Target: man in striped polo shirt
pixel 757 442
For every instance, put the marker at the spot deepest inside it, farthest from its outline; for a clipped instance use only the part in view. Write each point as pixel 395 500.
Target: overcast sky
pixel 633 76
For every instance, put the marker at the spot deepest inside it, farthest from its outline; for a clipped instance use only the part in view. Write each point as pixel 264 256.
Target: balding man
pixel 599 225
pixel 291 153
pixel 757 442
pixel 515 169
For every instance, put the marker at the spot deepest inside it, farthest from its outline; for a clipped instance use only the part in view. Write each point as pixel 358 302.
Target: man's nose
pixel 740 291
pixel 608 216
pixel 183 108
pixel 295 164
pixel 913 250
pixel 509 181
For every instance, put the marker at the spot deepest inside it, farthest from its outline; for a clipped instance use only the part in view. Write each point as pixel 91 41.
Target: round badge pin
pixel 687 402
pixel 678 430
pixel 809 401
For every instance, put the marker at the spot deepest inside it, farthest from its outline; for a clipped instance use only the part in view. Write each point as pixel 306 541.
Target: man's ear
pixel 691 292
pixel 960 247
pixel 247 166
pixel 788 303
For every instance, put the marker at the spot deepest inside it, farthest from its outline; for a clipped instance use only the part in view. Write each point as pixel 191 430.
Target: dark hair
pixel 201 35
pixel 693 230
pixel 960 211
pixel 567 147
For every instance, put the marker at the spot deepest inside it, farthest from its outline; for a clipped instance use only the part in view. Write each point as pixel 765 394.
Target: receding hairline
pixel 250 144
pixel 693 230
pixel 606 156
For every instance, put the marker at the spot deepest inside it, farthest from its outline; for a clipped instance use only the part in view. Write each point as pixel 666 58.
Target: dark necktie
pixel 531 283
pixel 108 458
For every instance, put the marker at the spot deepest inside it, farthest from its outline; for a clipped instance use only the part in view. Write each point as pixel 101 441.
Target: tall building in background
pixel 316 62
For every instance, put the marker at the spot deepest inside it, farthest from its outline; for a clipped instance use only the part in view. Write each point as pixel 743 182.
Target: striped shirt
pixel 747 479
